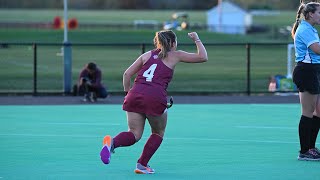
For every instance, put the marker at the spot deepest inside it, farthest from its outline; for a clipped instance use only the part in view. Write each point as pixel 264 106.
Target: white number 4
pixel 148 74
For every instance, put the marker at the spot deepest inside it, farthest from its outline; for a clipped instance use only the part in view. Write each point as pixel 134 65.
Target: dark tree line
pixel 148 4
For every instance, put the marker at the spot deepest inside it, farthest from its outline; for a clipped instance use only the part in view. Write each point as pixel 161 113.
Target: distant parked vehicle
pixel 179 21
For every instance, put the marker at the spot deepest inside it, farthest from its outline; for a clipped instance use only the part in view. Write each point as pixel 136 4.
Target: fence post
pixel 67 64
pixel 248 46
pixel 143 48
pixel 35 93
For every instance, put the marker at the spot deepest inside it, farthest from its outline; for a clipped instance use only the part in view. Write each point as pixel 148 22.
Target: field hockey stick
pixel 169 105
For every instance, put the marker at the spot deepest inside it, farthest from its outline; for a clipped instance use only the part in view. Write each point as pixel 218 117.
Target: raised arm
pixel 199 57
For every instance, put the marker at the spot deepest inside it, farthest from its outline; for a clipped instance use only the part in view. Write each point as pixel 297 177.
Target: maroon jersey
pixel 151 82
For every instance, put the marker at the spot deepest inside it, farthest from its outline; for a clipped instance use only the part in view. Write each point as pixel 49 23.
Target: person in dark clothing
pixel 90 83
pixel 306 76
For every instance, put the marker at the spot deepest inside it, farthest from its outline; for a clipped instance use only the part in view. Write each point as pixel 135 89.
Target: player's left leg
pixel 315 126
pixel 136 122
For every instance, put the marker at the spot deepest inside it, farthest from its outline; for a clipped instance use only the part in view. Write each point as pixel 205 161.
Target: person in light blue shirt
pixel 306 76
pixel 306 35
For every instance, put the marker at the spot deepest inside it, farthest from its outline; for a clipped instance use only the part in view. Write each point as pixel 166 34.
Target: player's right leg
pixel 136 124
pixel 140 169
pixel 106 150
pixel 308 104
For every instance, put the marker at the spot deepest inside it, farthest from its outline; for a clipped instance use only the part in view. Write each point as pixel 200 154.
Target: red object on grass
pixel 73 23
pixel 57 22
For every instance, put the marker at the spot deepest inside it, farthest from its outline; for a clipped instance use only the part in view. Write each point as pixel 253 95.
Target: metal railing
pixel 252 58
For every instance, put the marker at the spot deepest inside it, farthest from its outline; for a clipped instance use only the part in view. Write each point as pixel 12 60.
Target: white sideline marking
pixel 266 127
pixel 234 140
pixel 50 135
pixel 166 138
pixel 86 124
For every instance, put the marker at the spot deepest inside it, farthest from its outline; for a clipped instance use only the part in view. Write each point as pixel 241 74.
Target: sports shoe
pixel 140 169
pixel 86 98
pixel 93 97
pixel 316 150
pixel 310 155
pixel 107 149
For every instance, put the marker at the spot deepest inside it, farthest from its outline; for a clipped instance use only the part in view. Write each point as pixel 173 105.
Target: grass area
pixel 119 36
pixel 284 18
pixel 225 71
pixel 128 16
pixel 96 16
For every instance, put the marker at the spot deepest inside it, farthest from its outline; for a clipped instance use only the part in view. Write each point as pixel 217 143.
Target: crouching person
pixel 90 84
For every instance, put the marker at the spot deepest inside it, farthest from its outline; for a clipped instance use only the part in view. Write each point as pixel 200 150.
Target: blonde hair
pixel 303 9
pixel 164 40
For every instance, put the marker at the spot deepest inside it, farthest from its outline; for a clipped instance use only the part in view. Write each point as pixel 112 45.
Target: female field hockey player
pixel 147 99
pixel 306 76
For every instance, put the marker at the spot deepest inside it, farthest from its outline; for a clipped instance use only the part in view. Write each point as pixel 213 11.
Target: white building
pixel 228 18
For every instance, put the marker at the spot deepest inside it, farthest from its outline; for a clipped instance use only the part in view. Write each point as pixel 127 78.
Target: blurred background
pixel 149 4
pixel 45 44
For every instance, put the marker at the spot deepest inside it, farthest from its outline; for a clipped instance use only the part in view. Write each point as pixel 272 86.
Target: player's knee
pixel 159 132
pixel 137 134
pixel 317 111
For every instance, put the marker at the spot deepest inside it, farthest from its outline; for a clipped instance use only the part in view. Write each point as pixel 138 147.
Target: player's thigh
pixel 136 122
pixel 158 123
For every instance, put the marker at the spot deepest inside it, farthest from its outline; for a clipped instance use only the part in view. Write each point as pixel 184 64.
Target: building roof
pixel 227 7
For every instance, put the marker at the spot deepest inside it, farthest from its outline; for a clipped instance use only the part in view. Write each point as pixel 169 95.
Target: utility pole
pixel 220 16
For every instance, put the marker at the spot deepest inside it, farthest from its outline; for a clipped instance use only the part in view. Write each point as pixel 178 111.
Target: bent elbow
pixel 204 59
pixel 125 75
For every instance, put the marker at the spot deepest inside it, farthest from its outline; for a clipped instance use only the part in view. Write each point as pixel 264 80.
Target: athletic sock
pixel 314 131
pixel 150 148
pixel 305 127
pixel 124 139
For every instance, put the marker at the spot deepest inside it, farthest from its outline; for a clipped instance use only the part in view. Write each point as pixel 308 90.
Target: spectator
pixel 90 84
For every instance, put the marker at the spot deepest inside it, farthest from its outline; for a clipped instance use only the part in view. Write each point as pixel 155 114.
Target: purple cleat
pixel 105 153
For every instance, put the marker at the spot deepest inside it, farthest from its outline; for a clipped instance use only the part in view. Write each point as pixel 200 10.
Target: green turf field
pixel 221 141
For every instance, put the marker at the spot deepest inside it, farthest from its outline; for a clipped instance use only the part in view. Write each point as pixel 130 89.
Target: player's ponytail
pixel 297 22
pixel 164 40
pixel 304 9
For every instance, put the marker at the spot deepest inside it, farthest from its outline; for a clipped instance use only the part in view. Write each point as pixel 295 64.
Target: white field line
pixel 85 124
pixel 234 140
pixel 166 138
pixel 266 127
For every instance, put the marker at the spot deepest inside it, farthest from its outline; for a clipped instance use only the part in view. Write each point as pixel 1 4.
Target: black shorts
pixel 307 77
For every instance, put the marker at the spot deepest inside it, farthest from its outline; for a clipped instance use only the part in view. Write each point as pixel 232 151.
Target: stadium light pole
pixel 67 58
pixel 220 15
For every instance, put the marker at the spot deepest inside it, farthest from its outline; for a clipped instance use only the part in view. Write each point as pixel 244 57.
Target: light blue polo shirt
pixel 306 35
